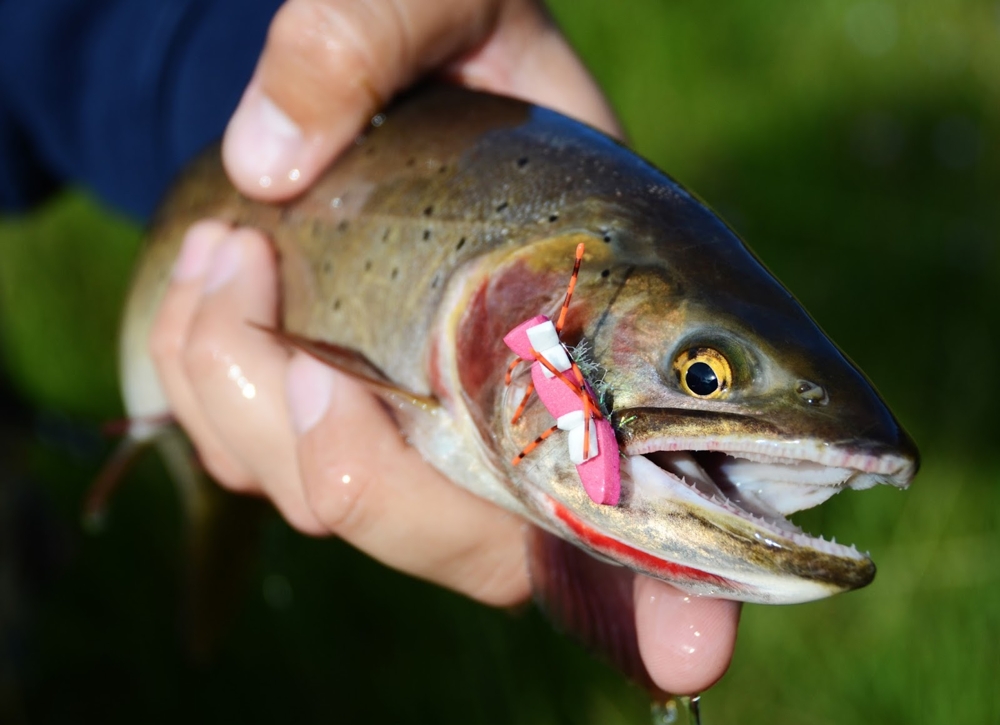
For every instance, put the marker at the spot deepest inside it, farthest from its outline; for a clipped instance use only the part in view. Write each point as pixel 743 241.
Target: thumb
pixel 327 66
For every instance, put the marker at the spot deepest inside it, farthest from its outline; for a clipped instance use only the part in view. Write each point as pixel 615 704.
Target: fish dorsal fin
pixel 588 599
pixel 350 362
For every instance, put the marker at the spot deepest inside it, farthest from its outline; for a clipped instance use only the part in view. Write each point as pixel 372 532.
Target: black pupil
pixel 701 379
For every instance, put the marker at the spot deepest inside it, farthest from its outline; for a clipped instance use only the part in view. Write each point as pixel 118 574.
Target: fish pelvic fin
pixel 351 362
pixel 221 529
pixel 221 547
pixel 138 433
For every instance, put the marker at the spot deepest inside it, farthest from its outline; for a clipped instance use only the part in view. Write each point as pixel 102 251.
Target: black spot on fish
pixel 428 211
pixel 385 234
pixel 522 162
pixel 442 169
pixel 395 272
pixel 411 162
pixel 336 304
pixel 342 227
pixel 461 243
pixel 435 282
pixel 607 237
pixel 427 234
pixel 554 217
pixel 370 151
pixel 606 273
pixel 368 265
pixel 501 206
pixel 327 267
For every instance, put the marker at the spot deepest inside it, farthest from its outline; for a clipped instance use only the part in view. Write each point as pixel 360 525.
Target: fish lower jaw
pixel 679 476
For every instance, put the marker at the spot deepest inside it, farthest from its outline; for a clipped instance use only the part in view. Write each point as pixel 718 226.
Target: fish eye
pixel 703 372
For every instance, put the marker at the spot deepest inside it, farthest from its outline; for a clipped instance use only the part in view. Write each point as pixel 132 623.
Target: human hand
pixel 312 440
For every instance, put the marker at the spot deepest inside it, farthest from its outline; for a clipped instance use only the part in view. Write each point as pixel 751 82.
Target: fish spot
pixel 411 162
pixel 442 169
pixel 370 151
pixel 428 210
pixel 461 243
pixel 522 162
pixel 554 217
pixel 395 272
pixel 435 282
pixel 605 273
pixel 342 227
pixel 336 304
pixel 501 206
pixel 385 234
pixel 327 267
pixel 607 237
pixel 427 234
pixel 368 265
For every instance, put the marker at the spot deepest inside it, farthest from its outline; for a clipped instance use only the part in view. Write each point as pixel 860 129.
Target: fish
pixel 453 218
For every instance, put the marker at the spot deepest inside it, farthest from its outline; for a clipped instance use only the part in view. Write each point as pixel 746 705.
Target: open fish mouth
pixel 707 511
pixel 761 482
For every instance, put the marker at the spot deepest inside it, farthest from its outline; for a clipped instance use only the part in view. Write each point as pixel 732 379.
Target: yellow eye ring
pixel 703 372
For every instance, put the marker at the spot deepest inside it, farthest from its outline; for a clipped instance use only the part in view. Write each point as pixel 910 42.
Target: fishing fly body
pixel 569 398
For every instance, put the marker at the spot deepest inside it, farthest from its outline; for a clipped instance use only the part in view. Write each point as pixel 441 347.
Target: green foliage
pixel 62 281
pixel 855 146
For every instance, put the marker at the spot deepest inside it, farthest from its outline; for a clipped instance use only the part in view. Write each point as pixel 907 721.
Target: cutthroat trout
pixel 453 219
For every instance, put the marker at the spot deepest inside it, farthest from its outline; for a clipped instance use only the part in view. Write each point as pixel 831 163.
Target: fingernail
pixel 225 262
pixel 196 251
pixel 265 143
pixel 309 388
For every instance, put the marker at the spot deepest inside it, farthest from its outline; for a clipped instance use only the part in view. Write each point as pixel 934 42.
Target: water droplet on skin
pixel 265 182
pixel 345 478
pixel 248 389
pixel 294 175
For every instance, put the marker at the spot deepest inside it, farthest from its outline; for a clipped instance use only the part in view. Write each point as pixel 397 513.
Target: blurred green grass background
pixel 855 145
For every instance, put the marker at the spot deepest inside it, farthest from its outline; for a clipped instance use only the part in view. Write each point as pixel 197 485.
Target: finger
pixel 168 341
pixel 237 372
pixel 329 64
pixel 686 642
pixel 369 487
pixel 526 56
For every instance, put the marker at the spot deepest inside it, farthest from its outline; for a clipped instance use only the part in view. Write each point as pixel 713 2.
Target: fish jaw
pixel 706 513
pixel 663 525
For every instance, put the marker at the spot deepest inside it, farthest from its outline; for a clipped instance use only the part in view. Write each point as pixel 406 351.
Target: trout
pixel 452 219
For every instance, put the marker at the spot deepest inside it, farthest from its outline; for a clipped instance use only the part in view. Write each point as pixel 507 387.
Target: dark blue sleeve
pixel 116 95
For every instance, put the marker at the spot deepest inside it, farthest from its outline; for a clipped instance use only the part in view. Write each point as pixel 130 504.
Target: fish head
pixel 732 410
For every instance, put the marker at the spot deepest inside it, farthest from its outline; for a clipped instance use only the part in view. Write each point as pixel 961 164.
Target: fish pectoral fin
pixel 589 599
pixel 351 362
